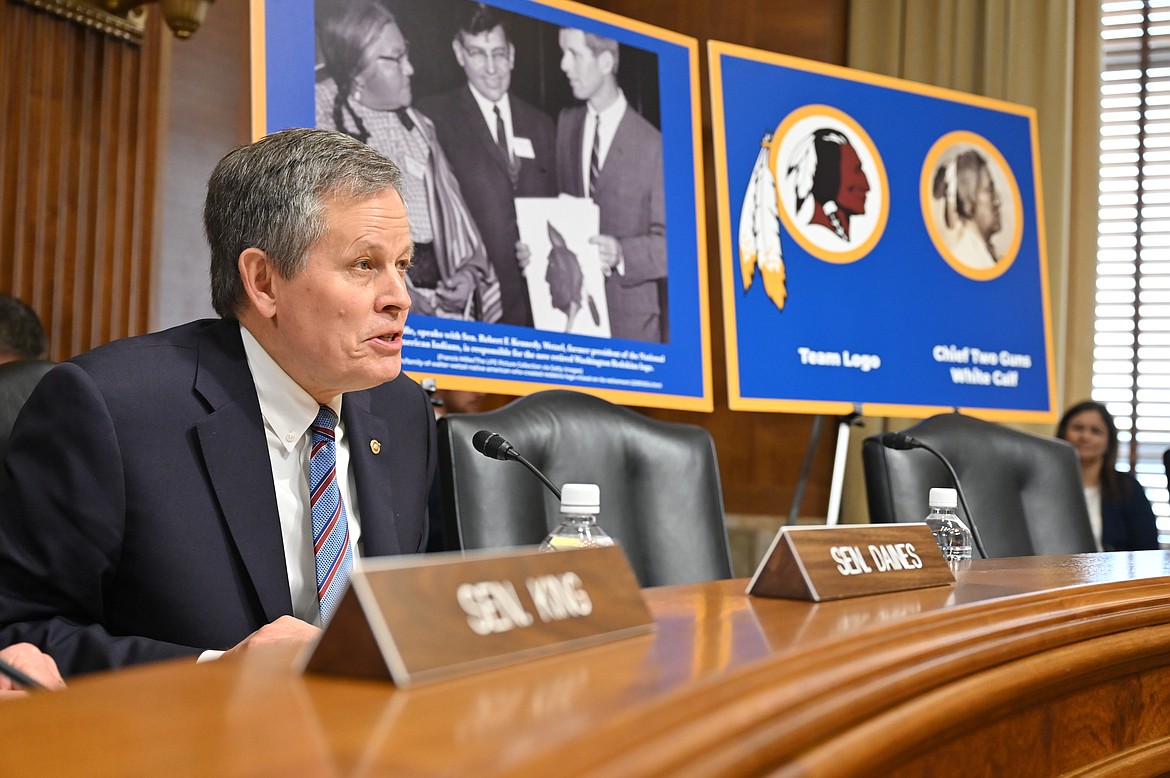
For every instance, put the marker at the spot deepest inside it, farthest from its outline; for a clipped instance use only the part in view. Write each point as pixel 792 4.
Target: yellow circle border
pixel 795 230
pixel 926 196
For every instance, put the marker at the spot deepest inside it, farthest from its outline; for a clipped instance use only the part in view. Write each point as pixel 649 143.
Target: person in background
pixel 34 663
pixel 607 152
pixel 209 487
pixel 1121 515
pixel 21 333
pixel 499 146
pixel 367 94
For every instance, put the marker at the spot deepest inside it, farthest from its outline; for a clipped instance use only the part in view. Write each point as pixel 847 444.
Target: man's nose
pixel 395 295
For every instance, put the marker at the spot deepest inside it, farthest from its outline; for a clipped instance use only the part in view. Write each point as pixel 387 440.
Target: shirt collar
pixel 612 113
pixel 288 410
pixel 487 107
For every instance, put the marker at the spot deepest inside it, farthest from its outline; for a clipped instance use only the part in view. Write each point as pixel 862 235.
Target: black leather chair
pixel 1025 491
pixel 661 497
pixel 17 380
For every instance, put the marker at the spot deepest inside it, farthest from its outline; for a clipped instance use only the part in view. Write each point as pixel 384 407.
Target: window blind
pixel 1131 352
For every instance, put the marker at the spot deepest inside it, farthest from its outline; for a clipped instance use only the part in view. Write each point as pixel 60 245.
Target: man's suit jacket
pixel 485 178
pixel 141 521
pixel 630 196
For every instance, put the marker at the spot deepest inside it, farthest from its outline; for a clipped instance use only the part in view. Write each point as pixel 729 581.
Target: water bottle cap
pixel 943 498
pixel 580 498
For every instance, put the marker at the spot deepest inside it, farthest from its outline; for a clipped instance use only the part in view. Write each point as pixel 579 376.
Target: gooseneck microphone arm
pixel 900 441
pixel 493 446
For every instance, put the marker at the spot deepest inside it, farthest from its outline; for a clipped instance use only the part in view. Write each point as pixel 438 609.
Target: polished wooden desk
pixel 1029 666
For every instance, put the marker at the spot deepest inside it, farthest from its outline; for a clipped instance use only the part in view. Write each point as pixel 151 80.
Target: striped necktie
pixel 594 166
pixel 330 527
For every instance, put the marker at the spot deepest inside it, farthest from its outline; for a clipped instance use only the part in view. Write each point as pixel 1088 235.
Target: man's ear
pixel 458 49
pixel 605 62
pixel 258 276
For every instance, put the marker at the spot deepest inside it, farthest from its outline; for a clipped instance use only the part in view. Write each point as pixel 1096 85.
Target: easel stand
pixel 836 485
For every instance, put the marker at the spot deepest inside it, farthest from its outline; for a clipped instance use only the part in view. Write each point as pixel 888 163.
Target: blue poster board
pixel 882 244
pixel 592 352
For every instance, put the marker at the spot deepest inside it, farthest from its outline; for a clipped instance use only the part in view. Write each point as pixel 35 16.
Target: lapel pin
pixel 375 446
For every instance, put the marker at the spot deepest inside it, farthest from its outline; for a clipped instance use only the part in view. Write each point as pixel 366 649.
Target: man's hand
pixel 609 251
pixel 453 293
pixel 32 662
pixel 523 255
pixel 287 630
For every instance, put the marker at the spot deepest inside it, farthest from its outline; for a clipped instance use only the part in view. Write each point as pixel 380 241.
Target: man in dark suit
pixel 606 151
pixel 499 146
pixel 160 504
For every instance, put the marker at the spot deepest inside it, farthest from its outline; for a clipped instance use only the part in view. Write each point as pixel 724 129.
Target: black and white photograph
pixel 480 107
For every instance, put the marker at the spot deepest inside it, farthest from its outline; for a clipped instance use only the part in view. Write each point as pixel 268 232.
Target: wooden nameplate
pixel 831 563
pixel 423 618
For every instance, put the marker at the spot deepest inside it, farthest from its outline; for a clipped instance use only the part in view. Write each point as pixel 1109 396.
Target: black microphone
pixel 900 441
pixel 494 446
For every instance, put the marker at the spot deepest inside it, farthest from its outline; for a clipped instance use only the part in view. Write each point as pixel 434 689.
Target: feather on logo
pixel 759 230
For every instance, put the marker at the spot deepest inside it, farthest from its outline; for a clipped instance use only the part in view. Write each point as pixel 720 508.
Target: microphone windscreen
pixel 900 441
pixel 480 439
pixel 491 445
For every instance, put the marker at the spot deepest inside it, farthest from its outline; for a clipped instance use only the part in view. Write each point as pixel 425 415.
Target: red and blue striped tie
pixel 330 527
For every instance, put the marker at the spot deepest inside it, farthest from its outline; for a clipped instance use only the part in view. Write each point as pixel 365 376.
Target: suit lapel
pixel 613 167
pixel 235 452
pixel 369 439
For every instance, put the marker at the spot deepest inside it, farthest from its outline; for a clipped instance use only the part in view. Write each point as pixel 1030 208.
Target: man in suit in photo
pixel 606 151
pixel 499 146
pixel 210 487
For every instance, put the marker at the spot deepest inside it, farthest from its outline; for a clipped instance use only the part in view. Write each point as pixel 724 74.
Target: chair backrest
pixel 661 497
pixel 17 380
pixel 1024 490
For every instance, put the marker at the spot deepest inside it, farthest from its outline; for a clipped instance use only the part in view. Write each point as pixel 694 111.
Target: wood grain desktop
pixel 1027 666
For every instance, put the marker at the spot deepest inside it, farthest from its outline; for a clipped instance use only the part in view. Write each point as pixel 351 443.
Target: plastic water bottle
pixel 951 534
pixel 580 504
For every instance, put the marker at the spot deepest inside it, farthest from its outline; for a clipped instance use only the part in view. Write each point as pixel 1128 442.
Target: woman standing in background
pixel 1121 515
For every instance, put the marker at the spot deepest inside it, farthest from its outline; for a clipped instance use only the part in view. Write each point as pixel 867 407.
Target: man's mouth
pixel 390 338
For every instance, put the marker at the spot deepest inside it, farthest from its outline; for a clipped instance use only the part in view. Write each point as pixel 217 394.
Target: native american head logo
pixel 818 179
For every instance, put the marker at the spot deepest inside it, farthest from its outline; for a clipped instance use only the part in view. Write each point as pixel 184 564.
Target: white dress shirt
pixel 288 412
pixel 488 109
pixel 611 117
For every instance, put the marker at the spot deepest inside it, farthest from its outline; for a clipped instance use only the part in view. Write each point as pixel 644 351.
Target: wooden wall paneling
pixel 77 169
pixel 144 161
pixel 33 283
pixel 68 339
